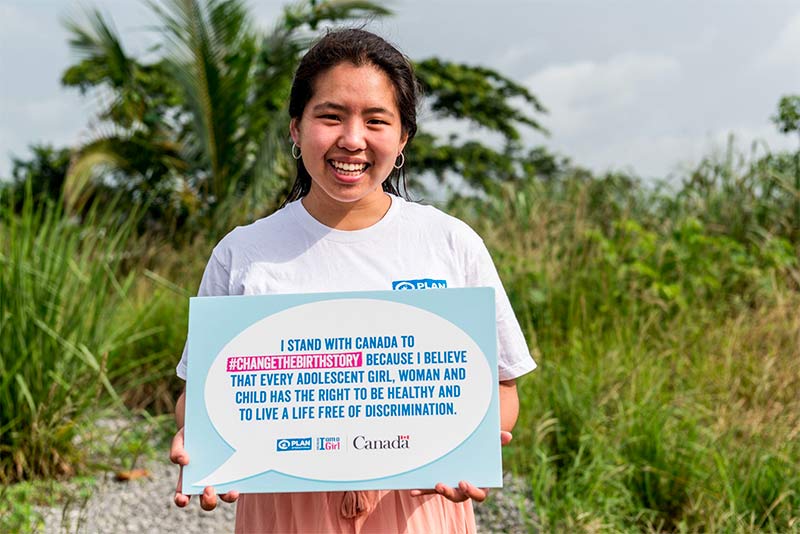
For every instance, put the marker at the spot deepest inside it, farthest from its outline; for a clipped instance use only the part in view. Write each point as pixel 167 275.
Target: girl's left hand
pixel 464 490
pixel 460 493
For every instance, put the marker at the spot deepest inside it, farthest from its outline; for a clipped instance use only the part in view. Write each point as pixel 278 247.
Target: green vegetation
pixel 665 329
pixel 59 283
pixel 664 320
pixel 114 444
pixel 666 397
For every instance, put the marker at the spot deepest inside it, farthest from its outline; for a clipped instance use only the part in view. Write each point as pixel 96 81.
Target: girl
pixel 345 228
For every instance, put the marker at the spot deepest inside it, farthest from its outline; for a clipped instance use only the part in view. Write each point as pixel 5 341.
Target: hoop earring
pixel 402 161
pixel 296 151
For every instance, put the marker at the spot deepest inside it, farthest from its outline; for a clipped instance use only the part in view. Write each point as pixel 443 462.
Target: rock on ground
pixel 144 506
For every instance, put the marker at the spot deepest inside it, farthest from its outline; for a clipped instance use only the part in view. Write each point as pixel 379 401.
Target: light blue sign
pixel 342 391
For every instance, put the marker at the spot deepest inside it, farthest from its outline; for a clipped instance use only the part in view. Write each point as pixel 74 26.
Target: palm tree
pixel 201 130
pixel 132 139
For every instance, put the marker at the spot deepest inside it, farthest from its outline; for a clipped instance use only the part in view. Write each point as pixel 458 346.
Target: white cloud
pixel 649 88
pixel 674 154
pixel 13 18
pixel 513 56
pixel 579 94
pixel 59 120
pixel 266 14
pixel 640 113
pixel 783 52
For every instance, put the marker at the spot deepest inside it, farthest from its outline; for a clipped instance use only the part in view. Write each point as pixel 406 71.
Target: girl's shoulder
pixel 434 221
pixel 268 233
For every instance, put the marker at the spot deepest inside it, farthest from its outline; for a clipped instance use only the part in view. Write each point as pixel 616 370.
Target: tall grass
pixel 665 325
pixel 669 351
pixel 143 371
pixel 59 288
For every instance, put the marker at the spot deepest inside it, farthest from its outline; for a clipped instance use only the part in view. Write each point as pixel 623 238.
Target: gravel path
pixel 144 506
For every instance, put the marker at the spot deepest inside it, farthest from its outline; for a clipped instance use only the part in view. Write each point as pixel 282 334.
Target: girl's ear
pixel 294 132
pixel 403 141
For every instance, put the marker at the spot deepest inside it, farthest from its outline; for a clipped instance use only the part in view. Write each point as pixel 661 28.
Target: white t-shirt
pixel 412 246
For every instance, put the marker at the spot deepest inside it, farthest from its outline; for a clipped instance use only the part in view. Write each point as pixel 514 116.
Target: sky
pixel 645 87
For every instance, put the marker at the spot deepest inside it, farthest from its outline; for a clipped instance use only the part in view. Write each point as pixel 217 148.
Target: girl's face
pixel 350 135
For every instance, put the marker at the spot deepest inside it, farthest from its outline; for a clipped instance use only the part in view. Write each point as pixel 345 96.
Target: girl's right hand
pixel 208 499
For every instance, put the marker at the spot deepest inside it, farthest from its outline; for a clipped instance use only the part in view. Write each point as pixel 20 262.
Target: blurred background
pixel 634 170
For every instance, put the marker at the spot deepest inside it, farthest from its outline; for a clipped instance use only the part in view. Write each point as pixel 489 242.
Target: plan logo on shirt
pixel 422 283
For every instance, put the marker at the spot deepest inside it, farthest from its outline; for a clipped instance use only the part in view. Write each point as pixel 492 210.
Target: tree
pixel 201 132
pixel 44 173
pixel 788 120
pixel 194 132
pixel 483 97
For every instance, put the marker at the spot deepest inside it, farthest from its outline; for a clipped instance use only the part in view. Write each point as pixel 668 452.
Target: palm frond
pixel 214 53
pixel 96 41
pixel 84 170
pixel 312 13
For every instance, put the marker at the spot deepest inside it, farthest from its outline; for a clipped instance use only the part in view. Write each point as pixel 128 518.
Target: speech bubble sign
pixel 343 389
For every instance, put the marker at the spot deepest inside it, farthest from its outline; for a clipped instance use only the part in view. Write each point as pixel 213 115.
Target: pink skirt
pixel 352 512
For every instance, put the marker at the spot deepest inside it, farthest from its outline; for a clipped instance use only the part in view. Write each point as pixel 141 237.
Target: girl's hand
pixel 464 490
pixel 208 499
pixel 461 493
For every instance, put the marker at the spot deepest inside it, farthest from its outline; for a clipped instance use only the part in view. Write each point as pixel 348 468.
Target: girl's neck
pixel 347 216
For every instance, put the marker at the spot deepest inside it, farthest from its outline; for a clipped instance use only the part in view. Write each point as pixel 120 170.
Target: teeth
pixel 349 167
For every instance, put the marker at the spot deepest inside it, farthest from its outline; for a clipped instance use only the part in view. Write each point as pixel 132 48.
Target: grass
pixel 673 438
pixel 669 350
pixel 112 445
pixel 19 502
pixel 59 282
pixel 664 324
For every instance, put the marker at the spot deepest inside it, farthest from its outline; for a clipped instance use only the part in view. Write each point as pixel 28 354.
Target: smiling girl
pixel 345 227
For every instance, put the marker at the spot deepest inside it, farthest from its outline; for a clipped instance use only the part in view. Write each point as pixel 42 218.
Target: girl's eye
pixel 377 121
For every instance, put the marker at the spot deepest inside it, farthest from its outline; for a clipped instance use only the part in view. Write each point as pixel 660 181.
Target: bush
pixel 59 286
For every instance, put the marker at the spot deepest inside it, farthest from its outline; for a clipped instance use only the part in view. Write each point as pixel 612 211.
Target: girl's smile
pixel 348 170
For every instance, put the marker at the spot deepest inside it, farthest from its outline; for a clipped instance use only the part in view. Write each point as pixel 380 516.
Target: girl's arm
pixel 509 404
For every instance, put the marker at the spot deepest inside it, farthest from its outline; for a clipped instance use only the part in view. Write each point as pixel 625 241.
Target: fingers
pixel 461 493
pixel 208 499
pixel 177 454
pixel 452 494
pixel 181 500
pixel 465 490
pixel 472 492
pixel 229 497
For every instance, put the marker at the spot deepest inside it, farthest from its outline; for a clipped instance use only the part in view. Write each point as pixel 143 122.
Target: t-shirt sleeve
pixel 215 283
pixel 513 356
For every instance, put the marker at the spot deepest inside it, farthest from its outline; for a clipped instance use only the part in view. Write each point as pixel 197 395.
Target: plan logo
pixel 329 444
pixel 294 444
pixel 422 283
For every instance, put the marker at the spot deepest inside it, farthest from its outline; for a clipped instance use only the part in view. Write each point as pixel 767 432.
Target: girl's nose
pixel 353 136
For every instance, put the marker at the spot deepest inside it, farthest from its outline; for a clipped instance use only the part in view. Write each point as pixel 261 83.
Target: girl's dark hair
pixel 360 48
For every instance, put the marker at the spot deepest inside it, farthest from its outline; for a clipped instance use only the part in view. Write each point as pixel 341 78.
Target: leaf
pixel 133 474
pixel 26 393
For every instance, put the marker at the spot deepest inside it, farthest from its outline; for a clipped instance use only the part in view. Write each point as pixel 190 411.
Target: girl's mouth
pixel 349 169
